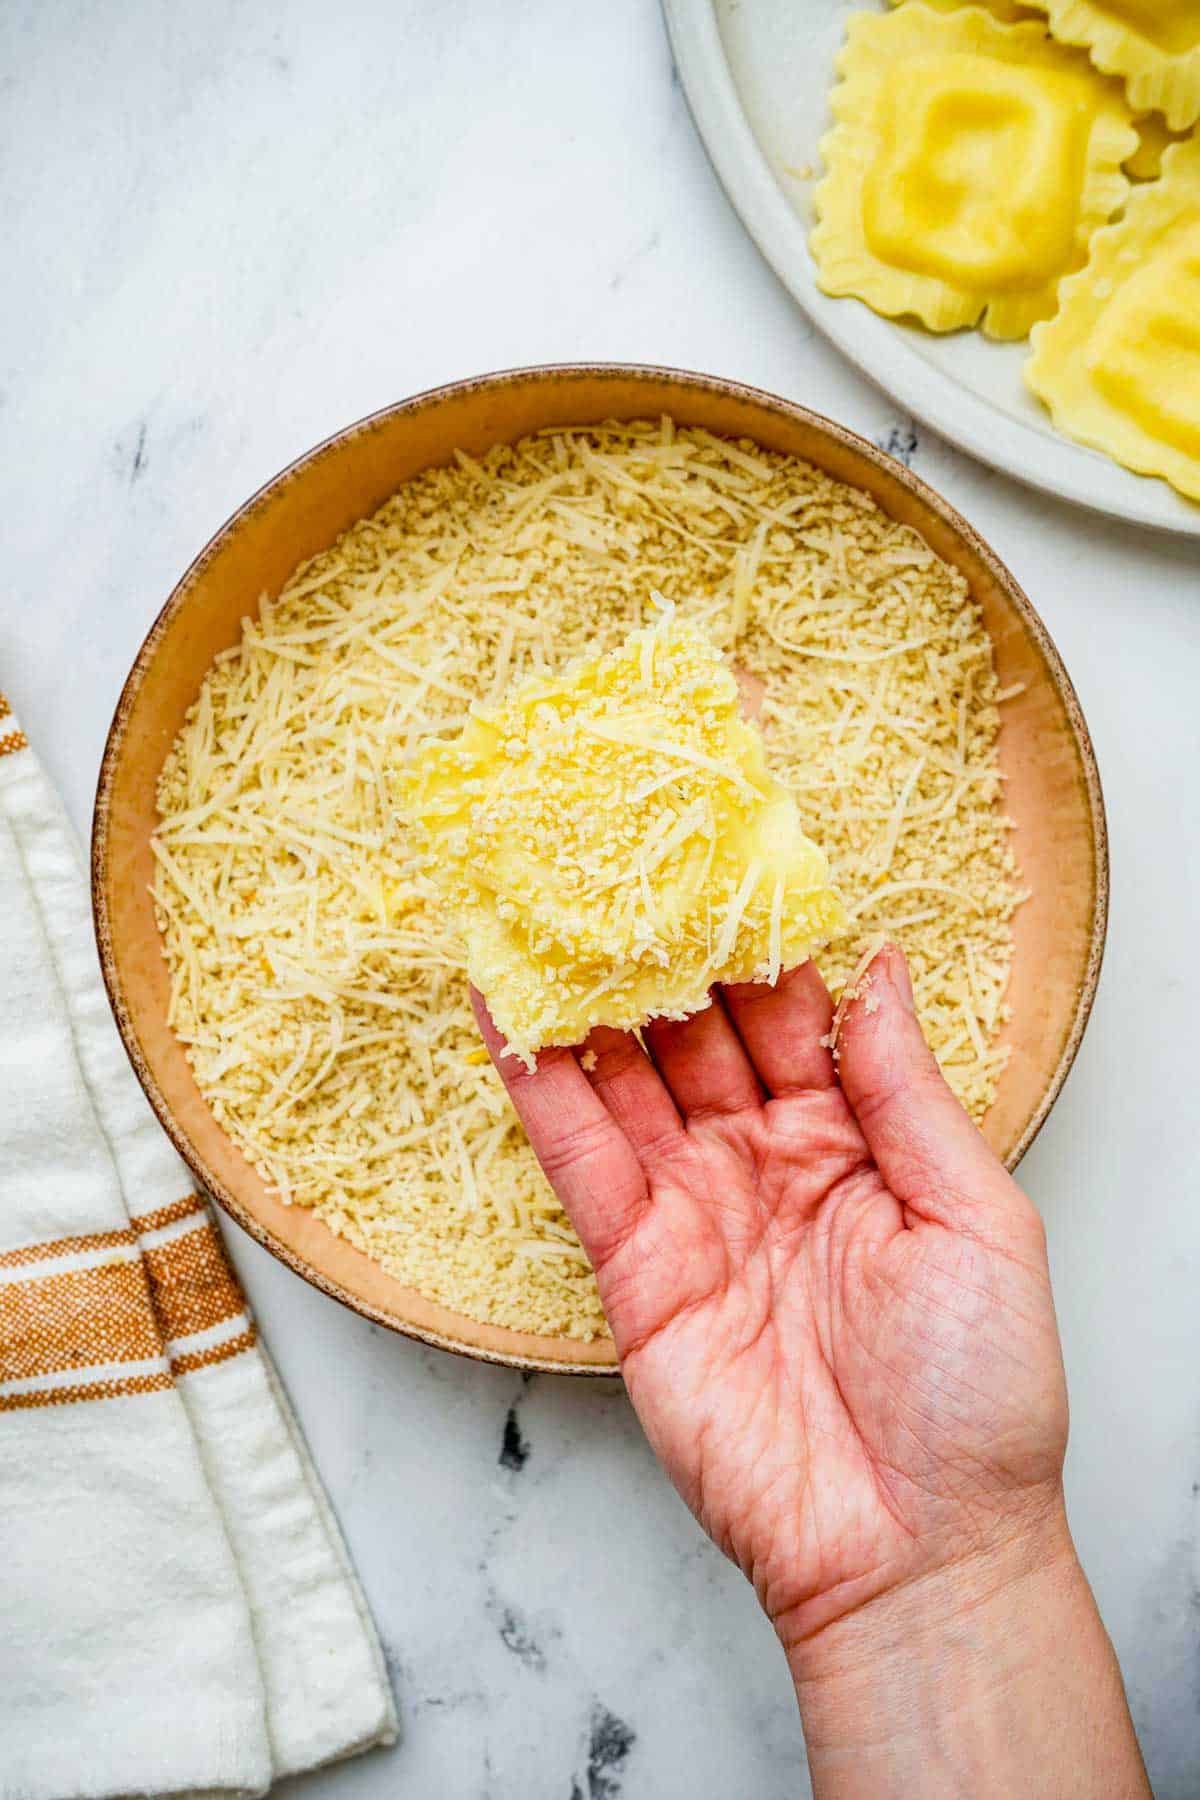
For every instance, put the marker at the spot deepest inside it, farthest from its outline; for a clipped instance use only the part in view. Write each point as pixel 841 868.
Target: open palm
pixel 830 1300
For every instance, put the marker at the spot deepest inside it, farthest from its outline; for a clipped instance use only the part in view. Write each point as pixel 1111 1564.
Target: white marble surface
pixel 231 228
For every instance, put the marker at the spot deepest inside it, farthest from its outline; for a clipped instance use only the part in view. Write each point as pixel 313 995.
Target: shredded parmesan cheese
pixel 320 996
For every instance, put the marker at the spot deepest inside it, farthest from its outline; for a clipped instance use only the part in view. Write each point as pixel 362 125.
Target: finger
pixel 703 1063
pixel 634 1093
pixel 927 1149
pixel 587 1158
pixel 783 1027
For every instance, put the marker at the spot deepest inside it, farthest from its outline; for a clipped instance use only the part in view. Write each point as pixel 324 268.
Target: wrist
pixel 981 1583
pixel 962 1679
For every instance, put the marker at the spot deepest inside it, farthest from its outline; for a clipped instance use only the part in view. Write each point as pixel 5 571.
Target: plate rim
pixel 967 420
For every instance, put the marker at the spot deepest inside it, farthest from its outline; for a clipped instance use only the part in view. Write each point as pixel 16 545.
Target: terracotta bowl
pixel 1053 789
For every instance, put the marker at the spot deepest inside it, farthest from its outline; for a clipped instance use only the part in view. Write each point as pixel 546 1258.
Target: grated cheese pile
pixel 321 998
pixel 611 843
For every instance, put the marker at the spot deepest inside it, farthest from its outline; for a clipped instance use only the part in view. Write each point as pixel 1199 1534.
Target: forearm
pixel 992 1679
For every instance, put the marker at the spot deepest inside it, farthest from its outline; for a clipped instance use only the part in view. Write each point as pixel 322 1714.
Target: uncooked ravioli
pixel 1010 11
pixel 1119 367
pixel 1154 45
pixel 969 166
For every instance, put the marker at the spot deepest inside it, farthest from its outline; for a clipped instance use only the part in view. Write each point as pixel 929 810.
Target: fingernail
pixel 900 977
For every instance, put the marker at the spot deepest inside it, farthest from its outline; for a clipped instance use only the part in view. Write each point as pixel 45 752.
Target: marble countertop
pixel 233 228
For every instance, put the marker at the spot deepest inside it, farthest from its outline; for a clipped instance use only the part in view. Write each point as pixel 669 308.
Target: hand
pixel 831 1302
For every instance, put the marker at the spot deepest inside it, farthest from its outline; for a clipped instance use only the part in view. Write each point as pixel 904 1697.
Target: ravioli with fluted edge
pixel 1154 45
pixel 1154 133
pixel 970 164
pixel 1155 138
pixel 610 842
pixel 1008 10
pixel 1119 366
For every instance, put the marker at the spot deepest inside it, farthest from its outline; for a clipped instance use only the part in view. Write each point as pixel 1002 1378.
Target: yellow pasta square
pixel 970 163
pixel 1119 367
pixel 1170 25
pixel 1008 10
pixel 930 199
pixel 1155 137
pixel 611 843
pixel 1152 128
pixel 1153 44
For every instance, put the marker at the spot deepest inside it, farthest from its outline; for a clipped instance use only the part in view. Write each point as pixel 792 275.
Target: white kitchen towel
pixel 179 1612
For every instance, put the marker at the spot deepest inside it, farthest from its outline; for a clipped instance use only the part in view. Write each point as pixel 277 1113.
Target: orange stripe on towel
pixel 193 1282
pixel 92 1240
pixel 167 1215
pixel 217 1353
pixel 76 1320
pixel 91 1390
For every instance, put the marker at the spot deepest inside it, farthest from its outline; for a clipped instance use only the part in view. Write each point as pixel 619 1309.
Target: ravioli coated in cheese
pixel 611 843
pixel 1119 366
pixel 970 163
pixel 1153 44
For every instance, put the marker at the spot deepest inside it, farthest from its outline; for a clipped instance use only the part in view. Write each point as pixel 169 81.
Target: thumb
pixel 931 1155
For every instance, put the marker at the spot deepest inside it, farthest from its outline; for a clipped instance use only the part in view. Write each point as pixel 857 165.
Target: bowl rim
pixel 494 380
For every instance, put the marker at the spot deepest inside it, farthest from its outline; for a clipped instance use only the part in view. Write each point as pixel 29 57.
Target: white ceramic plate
pixel 757 74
